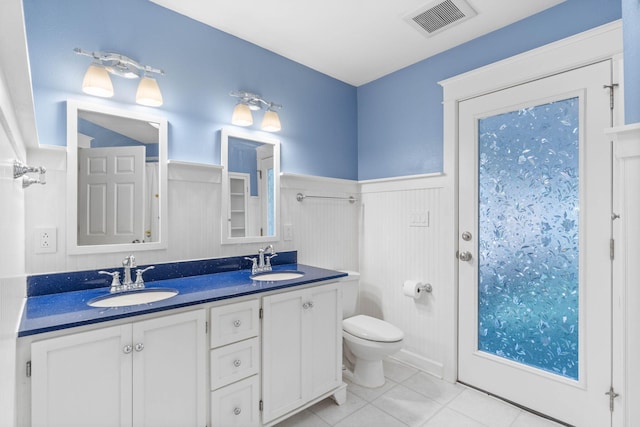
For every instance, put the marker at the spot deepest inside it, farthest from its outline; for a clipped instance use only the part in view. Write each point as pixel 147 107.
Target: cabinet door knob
pixel 237 411
pixel 127 349
pixel 139 346
pixel 237 363
pixel 237 323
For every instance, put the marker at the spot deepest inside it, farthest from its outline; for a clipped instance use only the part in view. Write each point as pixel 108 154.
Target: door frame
pixel 600 43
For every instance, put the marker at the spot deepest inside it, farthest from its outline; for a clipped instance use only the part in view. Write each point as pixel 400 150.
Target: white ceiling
pixel 355 41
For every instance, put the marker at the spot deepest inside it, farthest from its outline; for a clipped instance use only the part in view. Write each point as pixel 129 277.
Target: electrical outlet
pixel 46 240
pixel 288 232
pixel 419 219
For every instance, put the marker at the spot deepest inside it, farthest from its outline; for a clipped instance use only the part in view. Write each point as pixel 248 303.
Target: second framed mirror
pixel 250 187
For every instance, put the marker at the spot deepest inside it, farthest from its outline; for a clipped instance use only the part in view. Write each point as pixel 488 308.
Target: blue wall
pixel 202 65
pixel 631 30
pixel 400 115
pixel 389 127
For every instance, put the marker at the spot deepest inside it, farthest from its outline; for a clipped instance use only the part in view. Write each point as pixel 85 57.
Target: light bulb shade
pixel 148 93
pixel 271 121
pixel 242 115
pixel 97 82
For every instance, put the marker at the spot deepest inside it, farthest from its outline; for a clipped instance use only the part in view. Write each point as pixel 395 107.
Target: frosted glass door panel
pixel 528 236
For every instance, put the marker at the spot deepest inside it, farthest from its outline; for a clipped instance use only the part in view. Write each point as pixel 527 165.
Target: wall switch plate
pixel 288 232
pixel 419 219
pixel 46 240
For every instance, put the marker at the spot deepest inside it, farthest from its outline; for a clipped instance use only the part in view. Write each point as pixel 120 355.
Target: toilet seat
pixel 372 329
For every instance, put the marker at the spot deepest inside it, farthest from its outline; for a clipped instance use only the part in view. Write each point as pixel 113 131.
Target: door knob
pixel 465 256
pixel 139 346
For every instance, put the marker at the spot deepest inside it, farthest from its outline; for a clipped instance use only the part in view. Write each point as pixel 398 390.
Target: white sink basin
pixel 274 276
pixel 142 296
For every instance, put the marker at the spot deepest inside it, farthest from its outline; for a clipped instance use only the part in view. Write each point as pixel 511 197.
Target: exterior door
pixel 534 263
pixel 111 195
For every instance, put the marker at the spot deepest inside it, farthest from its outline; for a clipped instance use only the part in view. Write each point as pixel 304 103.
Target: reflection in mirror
pixel 116 179
pixel 250 177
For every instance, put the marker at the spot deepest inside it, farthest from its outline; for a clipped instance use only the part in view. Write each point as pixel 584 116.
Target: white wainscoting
pixel 325 231
pixel 394 249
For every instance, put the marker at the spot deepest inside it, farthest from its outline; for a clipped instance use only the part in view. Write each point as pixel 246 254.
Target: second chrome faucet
pixel 263 262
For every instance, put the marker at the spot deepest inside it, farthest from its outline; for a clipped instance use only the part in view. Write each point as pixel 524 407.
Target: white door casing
pixel 582 401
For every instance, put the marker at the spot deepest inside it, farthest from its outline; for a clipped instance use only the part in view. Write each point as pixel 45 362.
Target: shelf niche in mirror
pixel 250 187
pixel 116 180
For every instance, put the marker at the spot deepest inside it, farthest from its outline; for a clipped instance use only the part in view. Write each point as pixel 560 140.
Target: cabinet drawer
pixel 234 362
pixel 236 404
pixel 234 322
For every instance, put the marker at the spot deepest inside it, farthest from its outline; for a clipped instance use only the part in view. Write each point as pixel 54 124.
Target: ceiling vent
pixel 439 16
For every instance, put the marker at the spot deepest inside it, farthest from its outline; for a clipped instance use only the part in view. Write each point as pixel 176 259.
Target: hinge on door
pixel 28 368
pixel 260 314
pixel 261 405
pixel 206 327
pixel 612 248
pixel 611 87
pixel 260 173
pixel 612 395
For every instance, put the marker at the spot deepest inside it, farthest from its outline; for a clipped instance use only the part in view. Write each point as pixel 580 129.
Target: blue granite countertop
pixel 51 312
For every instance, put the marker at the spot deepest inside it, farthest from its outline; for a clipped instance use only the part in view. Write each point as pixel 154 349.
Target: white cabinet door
pixel 301 349
pixel 169 373
pixel 325 354
pixel 82 379
pixel 150 373
pixel 283 340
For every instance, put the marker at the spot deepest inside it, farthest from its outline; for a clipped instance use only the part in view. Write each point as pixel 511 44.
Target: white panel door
pixel 111 195
pixel 535 225
pixel 82 379
pixel 169 372
pixel 326 351
pixel 284 339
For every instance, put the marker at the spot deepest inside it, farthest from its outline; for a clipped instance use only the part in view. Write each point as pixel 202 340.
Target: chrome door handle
pixel 139 346
pixel 465 256
pixel 127 349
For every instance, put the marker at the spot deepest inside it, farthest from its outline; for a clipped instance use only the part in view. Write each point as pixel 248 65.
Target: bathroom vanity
pixel 227 350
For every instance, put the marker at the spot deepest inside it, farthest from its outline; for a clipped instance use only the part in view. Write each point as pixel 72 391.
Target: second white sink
pixel 125 299
pixel 274 276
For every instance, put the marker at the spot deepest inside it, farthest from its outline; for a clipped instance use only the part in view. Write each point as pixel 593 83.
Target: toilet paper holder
pixel 426 287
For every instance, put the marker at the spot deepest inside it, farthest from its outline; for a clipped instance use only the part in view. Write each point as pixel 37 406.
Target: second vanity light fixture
pixel 97 81
pixel 248 102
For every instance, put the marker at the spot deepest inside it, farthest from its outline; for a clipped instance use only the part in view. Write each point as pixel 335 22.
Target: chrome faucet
pixel 262 263
pixel 128 263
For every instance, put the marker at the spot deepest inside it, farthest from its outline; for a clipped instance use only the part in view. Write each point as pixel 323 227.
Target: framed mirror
pixel 116 180
pixel 250 187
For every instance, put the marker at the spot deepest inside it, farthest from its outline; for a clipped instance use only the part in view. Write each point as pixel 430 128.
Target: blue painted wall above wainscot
pixel 202 65
pixel 631 31
pixel 400 116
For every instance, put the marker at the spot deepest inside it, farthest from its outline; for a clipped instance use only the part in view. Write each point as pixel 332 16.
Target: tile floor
pixel 413 398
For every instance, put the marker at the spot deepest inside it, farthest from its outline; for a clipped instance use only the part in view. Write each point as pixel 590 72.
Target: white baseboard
pixel 419 362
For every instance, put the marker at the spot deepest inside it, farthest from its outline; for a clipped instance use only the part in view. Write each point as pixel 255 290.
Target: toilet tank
pixel 349 286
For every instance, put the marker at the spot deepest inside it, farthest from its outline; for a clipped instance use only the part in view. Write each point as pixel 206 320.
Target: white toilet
pixel 367 340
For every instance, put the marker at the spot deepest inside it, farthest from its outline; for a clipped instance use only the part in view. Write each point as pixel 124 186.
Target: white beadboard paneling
pixel 393 251
pixel 325 231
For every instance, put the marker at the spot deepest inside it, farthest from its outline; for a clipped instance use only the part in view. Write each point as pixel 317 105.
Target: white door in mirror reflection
pixel 265 165
pixel 110 195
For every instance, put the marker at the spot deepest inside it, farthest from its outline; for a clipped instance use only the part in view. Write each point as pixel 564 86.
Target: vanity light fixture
pixel 97 81
pixel 247 102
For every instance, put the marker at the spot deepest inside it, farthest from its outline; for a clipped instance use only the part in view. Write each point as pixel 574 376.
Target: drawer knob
pixel 237 411
pixel 139 346
pixel 237 363
pixel 237 323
